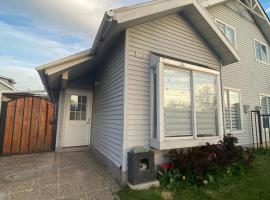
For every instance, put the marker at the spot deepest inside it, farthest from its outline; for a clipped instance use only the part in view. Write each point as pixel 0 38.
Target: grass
pixel 253 185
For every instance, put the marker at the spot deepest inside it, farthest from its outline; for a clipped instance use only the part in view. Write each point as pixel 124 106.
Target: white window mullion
pixel 193 107
pixel 229 104
pixel 160 104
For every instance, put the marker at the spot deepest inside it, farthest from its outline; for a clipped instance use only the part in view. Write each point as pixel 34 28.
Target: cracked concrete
pixel 65 175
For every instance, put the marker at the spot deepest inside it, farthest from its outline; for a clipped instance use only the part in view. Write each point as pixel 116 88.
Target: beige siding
pixel 248 75
pixel 108 107
pixel 4 87
pixel 171 36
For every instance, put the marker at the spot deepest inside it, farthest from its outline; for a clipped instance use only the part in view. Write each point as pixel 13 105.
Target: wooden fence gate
pixel 27 125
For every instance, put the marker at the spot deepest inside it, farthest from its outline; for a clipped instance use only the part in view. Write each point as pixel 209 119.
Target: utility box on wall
pixel 141 168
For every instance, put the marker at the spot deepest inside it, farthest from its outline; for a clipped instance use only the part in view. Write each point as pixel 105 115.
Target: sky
pixel 33 33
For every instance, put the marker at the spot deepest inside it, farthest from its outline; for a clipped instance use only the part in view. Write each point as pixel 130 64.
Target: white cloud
pixel 25 78
pixel 34 45
pixel 72 16
pixel 268 10
pixel 22 49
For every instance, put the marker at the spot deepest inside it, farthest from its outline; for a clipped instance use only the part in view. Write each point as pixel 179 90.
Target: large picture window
pixel 186 102
pixel 232 110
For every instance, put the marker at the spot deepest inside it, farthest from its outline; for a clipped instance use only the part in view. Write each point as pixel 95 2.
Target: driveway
pixel 65 175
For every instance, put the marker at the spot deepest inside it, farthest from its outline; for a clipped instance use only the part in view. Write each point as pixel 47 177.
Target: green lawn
pixel 255 184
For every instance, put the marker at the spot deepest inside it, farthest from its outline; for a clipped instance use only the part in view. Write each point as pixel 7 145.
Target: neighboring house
pixel 165 74
pixel 6 84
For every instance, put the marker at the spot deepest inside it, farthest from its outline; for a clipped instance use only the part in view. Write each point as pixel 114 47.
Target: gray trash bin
pixel 141 168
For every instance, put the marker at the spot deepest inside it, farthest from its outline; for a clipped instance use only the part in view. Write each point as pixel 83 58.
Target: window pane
pixel 177 102
pixel 264 54
pixel 230 35
pixel 83 99
pixel 264 106
pixel 77 105
pixel 206 104
pixel 235 110
pixel 227 113
pixel 72 116
pixel 258 51
pixel 83 115
pixel 78 115
pixel 221 26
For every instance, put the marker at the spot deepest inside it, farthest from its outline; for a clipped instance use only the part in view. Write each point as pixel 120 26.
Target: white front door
pixel 77 119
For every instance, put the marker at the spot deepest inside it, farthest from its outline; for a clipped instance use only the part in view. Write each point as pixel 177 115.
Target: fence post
pixel 2 124
pixel 260 127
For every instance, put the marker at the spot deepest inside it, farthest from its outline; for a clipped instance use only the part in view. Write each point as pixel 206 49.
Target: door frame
pixel 66 113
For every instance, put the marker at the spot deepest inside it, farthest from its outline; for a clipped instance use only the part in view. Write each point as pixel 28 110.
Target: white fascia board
pixel 213 25
pixel 7 85
pixel 155 7
pixel 65 60
pixel 65 65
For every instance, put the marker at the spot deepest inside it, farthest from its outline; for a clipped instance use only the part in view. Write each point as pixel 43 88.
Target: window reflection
pixel 206 104
pixel 177 102
pixel 78 107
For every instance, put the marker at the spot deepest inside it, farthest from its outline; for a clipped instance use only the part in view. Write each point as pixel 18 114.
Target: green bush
pixel 200 165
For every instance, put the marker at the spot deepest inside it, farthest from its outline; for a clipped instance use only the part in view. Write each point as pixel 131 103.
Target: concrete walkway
pixel 66 175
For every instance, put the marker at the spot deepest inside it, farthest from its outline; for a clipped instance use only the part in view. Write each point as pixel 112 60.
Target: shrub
pixel 199 165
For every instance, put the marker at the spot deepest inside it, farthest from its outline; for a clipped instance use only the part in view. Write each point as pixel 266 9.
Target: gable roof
pixel 116 21
pixel 7 85
pixel 254 8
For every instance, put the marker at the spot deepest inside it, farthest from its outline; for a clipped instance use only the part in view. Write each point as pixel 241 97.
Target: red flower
pixel 167 166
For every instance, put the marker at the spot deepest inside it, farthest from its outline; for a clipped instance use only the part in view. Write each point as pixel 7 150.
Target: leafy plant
pixel 199 165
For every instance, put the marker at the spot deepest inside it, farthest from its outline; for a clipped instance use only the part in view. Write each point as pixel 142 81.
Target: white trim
pixel 125 118
pixel 7 85
pixel 241 114
pixel 187 66
pixel 264 95
pixel 230 26
pixel 66 112
pixel 255 52
pixel 160 102
pixel 194 140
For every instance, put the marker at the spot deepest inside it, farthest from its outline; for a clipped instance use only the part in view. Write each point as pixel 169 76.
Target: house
pixel 6 84
pixel 165 74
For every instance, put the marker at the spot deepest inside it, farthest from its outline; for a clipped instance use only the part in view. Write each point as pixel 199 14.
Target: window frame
pixel 241 111
pixel 255 52
pixel 260 103
pixel 162 142
pixel 226 24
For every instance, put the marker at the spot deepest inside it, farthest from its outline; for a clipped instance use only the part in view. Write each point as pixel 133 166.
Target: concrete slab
pixel 61 175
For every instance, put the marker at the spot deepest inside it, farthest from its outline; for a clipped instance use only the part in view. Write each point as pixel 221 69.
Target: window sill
pixel 265 63
pixel 235 132
pixel 177 143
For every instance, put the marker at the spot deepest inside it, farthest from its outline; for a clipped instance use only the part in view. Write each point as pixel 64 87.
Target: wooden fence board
pixel 16 138
pixel 9 127
pixel 26 125
pixel 42 124
pixel 34 125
